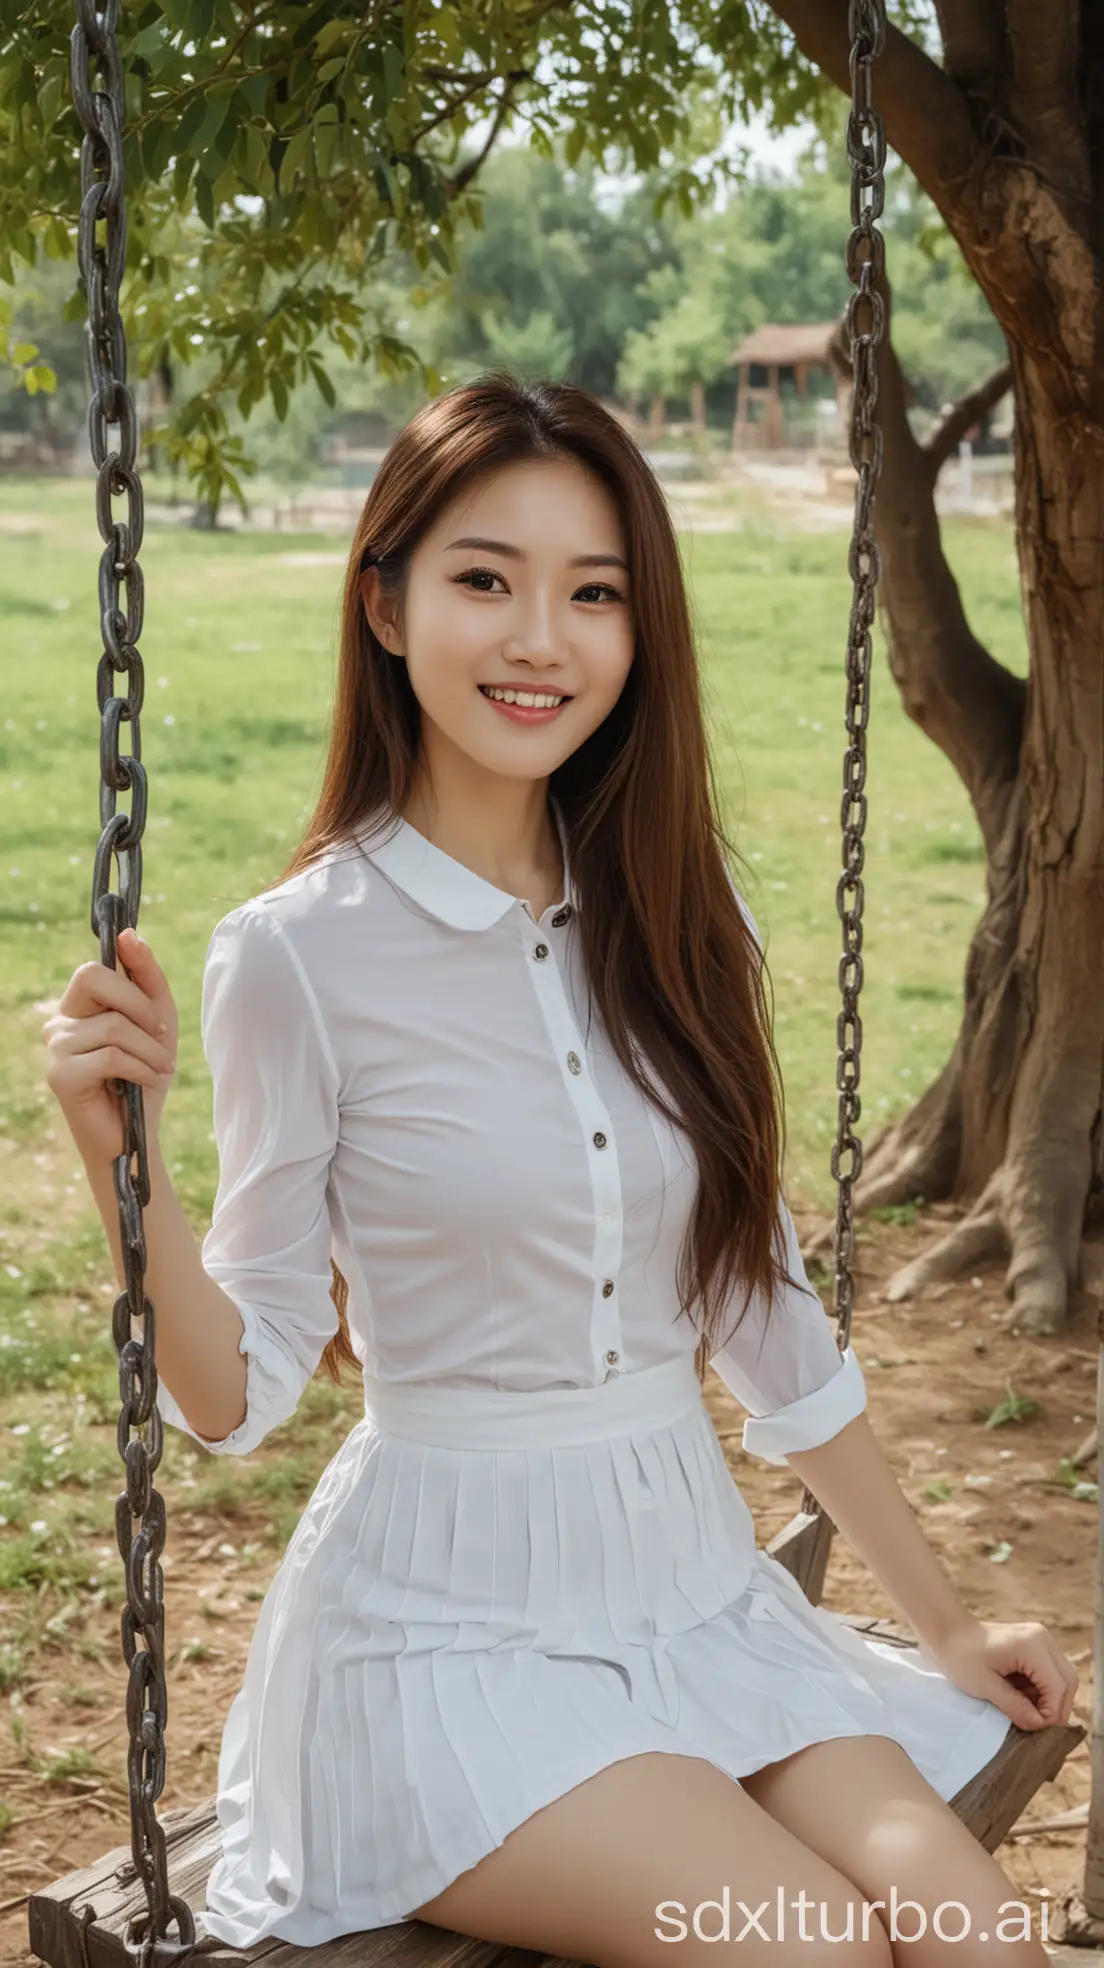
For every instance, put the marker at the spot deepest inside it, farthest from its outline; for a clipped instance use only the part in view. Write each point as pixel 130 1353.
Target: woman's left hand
pixel 1016 1665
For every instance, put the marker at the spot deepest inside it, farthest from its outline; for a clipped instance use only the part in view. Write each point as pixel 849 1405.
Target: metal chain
pixel 139 1510
pixel 865 262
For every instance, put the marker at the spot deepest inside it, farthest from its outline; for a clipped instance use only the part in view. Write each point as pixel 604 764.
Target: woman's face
pixel 521 587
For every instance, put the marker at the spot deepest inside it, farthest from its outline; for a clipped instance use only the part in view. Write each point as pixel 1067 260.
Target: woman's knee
pixel 662 1853
pixel 861 1803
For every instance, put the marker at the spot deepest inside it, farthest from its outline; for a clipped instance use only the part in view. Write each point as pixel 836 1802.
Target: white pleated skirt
pixel 490 1597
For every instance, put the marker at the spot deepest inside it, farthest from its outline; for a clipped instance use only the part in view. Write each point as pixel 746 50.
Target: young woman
pixel 498 1123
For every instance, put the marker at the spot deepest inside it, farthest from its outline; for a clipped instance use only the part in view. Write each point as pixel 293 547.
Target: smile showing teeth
pixel 537 700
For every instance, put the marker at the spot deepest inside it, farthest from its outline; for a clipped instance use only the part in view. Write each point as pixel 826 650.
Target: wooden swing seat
pixel 989 1805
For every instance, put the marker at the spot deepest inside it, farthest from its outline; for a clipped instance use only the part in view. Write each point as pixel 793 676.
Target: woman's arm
pixel 1019 1666
pixel 853 1481
pixel 198 1328
pixel 276 1120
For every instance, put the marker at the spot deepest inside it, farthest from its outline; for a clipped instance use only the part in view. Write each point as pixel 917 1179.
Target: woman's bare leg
pixel 583 1878
pixel 861 1803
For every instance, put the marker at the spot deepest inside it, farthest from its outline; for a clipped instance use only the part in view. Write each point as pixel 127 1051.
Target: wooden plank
pixel 803 1546
pixel 192 1838
pixel 993 1801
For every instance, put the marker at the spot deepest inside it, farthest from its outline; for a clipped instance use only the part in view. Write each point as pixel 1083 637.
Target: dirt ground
pixel 927 1365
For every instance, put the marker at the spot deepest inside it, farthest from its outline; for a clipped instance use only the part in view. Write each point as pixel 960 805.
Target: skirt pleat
pixel 456 1638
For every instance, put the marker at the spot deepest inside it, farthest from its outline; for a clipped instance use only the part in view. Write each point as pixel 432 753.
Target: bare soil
pixel 928 1365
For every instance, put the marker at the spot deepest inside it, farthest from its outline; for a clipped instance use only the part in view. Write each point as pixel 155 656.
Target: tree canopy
pixel 279 157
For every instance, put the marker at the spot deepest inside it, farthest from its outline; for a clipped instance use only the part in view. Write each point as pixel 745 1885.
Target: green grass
pixel 239 652
pixel 772 608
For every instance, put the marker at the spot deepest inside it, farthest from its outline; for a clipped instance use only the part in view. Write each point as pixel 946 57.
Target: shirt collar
pixel 446 888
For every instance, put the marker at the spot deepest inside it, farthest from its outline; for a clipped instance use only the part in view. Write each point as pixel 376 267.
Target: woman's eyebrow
pixel 515 553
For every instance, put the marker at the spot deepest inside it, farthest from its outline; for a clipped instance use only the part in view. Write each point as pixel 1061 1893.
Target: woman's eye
pixel 602 588
pixel 472 575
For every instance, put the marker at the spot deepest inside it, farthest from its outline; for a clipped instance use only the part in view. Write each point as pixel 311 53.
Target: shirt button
pixel 612 1357
pixel 541 950
pixel 561 916
pixel 607 1216
pixel 607 1288
pixel 599 1140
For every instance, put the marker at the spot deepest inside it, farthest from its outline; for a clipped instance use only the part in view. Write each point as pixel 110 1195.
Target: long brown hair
pixel 673 967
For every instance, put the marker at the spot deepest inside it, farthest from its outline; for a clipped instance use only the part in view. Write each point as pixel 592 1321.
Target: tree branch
pixel 926 114
pixel 969 409
pixel 1043 95
pixel 972 32
pixel 973 42
pixel 475 164
pixel 455 103
pixel 951 686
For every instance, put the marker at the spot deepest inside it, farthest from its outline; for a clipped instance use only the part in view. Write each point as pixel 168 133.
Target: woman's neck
pixel 503 831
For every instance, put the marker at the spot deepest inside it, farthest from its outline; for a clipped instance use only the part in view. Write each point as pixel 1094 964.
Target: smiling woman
pixel 498 1044
pixel 518 629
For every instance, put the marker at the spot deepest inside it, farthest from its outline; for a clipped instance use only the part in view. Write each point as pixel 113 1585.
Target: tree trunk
pixel 1009 146
pixel 1012 1127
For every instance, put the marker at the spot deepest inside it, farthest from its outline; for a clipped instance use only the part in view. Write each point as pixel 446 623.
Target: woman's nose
pixel 534 629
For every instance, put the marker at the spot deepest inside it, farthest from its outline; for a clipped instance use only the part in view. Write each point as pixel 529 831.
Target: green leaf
pixel 388 185
pixel 24 352
pixel 49 96
pixel 573 144
pixel 394 69
pixel 217 110
pixel 255 90
pixel 278 389
pixel 44 378
pixel 296 157
pixel 324 383
pixel 151 40
pixel 182 173
pixel 326 137
pixel 205 200
pixel 56 239
pixel 199 15
pixel 188 129
pixel 333 31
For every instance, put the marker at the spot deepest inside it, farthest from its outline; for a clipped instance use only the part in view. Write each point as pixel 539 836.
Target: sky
pixel 764 145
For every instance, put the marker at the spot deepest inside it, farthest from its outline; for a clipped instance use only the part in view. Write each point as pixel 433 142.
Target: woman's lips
pixel 526 713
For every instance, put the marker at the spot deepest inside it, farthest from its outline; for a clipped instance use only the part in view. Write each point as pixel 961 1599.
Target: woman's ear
pixel 381 618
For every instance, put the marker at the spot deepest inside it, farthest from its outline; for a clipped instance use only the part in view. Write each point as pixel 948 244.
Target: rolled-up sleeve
pixel 275 1107
pixel 786 1369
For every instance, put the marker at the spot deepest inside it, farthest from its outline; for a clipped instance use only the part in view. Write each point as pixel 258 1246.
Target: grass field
pixel 239 649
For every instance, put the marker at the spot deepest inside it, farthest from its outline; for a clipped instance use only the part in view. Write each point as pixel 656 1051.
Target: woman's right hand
pixel 110 1026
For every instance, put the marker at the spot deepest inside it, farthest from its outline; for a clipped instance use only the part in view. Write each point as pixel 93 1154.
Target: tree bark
pixel 1011 1128
pixel 1005 141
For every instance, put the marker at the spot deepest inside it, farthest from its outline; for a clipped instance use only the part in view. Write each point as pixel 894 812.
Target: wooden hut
pixel 764 360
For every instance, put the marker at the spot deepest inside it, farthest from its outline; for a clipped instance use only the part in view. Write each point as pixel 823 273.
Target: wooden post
pixel 739 428
pixel 697 403
pixel 772 420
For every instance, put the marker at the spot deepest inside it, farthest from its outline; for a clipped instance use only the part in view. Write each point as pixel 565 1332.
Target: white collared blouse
pixel 407 1074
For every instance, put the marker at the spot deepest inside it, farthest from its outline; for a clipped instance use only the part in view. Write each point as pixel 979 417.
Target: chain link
pixel 864 259
pixel 139 1509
